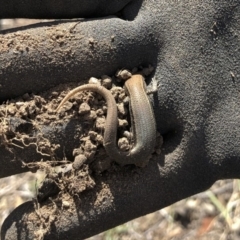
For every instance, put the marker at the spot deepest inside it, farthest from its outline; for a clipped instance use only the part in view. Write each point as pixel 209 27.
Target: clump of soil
pixel 89 106
pixel 69 179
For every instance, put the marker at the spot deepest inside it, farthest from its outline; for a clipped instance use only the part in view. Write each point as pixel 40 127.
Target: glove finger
pixel 39 57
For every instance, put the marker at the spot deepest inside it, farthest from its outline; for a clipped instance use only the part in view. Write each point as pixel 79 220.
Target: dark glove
pixel 195 50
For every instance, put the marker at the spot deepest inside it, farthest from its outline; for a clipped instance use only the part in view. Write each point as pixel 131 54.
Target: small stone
pixel 124 74
pixel 11 110
pixel 100 123
pixel 116 91
pixel 54 94
pixel 79 161
pixel 94 80
pixel 209 208
pixel 128 135
pixel 106 81
pixel 123 144
pixel 19 104
pixel 65 204
pixel 99 139
pixel 122 123
pixel 84 108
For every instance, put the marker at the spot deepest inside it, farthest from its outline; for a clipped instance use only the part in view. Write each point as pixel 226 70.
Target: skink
pixel 142 120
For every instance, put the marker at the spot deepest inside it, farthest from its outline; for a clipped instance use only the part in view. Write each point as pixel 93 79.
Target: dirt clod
pixel 124 74
pixel 79 160
pixel 31 111
pixel 123 144
pixel 84 108
pixel 106 81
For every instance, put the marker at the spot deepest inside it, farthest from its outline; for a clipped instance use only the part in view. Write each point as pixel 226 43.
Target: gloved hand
pixel 195 50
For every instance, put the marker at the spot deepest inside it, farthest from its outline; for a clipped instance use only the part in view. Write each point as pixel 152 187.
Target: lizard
pixel 142 120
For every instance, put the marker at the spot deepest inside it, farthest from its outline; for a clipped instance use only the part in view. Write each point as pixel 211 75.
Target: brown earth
pixel 65 181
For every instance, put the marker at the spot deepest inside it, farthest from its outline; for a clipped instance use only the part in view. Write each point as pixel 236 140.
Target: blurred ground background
pixel 211 215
